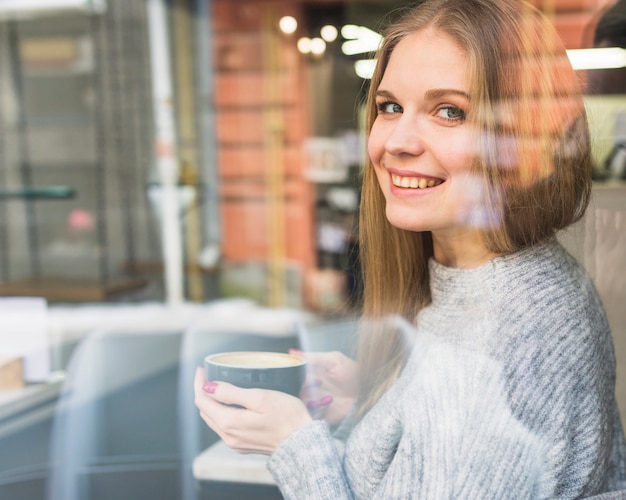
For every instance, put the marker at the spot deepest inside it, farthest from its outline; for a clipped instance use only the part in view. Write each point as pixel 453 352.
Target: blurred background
pixel 250 109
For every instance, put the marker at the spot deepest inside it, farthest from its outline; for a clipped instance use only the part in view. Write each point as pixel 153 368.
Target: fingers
pixel 261 420
pixel 311 385
pixel 319 403
pixel 318 407
pixel 227 394
pixel 232 395
pixel 204 399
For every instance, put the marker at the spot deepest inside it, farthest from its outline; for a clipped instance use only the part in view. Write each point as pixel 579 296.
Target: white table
pixel 225 474
pixel 220 463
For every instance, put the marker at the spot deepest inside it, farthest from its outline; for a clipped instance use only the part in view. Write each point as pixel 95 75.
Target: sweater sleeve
pixel 560 376
pixel 308 465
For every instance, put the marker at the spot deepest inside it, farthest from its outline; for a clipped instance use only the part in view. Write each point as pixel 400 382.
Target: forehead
pixel 428 56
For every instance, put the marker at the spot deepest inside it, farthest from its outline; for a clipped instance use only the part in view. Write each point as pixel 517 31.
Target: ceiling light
pixel 364 68
pixel 318 46
pixel 598 58
pixel 304 45
pixel 288 25
pixel 350 31
pixel 360 40
pixel 329 33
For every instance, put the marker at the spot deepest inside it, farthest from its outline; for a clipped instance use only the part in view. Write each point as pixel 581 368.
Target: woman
pixel 479 153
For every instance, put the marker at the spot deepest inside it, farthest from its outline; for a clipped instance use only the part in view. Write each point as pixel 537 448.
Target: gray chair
pixel 114 432
pixel 339 334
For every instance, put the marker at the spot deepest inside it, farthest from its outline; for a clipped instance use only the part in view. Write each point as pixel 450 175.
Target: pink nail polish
pixel 209 387
pixel 326 400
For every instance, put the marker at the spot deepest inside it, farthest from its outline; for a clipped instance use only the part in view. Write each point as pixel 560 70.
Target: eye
pixel 388 107
pixel 450 113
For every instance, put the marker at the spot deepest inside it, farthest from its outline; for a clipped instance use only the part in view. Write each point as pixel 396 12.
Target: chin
pixel 404 221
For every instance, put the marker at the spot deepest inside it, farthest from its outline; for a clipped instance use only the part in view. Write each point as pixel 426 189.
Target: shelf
pixel 66 290
pixel 37 165
pixel 38 193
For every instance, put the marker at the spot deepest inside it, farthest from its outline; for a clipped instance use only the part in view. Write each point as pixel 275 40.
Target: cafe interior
pixel 181 177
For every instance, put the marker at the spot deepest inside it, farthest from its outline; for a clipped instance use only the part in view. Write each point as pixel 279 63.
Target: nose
pixel 405 138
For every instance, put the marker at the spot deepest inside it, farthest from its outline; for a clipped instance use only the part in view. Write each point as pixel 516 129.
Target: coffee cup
pixel 258 369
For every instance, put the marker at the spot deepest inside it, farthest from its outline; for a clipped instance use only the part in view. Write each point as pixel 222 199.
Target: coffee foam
pixel 256 359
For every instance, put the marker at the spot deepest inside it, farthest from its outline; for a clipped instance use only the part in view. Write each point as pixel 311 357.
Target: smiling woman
pixel 519 132
pixel 485 363
pixel 421 145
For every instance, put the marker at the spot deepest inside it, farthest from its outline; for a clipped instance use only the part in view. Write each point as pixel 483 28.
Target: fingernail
pixel 326 400
pixel 297 352
pixel 209 387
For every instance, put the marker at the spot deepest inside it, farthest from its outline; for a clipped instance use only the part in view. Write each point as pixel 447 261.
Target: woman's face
pixel 421 144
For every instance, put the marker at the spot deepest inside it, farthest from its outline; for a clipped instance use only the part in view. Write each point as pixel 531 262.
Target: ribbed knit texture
pixel 508 393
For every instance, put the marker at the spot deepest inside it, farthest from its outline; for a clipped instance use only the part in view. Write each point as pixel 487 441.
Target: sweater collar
pixel 454 287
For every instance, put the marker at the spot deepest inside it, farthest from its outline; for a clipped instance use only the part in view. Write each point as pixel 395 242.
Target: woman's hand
pixel 266 419
pixel 331 386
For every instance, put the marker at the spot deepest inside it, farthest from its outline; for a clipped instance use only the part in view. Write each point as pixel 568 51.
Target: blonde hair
pixel 535 160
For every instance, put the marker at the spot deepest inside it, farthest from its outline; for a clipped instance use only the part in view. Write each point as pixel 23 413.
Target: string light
pixel 288 25
pixel 318 46
pixel 304 45
pixel 329 33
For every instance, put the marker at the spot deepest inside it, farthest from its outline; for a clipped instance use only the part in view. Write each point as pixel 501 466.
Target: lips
pixel 414 181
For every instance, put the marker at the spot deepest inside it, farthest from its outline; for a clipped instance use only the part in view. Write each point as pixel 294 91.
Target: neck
pixel 463 249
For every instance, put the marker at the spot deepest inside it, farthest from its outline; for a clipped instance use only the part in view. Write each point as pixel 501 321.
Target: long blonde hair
pixel 535 160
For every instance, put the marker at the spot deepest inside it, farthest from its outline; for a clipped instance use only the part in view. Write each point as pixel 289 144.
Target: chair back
pixel 114 430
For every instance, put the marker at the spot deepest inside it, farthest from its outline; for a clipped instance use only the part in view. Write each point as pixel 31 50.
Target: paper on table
pixel 24 333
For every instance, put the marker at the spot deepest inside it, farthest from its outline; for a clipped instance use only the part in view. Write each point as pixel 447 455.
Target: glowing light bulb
pixel 597 58
pixel 350 31
pixel 364 68
pixel 318 46
pixel 288 25
pixel 329 33
pixel 304 45
pixel 360 39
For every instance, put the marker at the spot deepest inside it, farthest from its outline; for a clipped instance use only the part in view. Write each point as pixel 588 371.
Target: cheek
pixel 382 176
pixel 375 145
pixel 459 154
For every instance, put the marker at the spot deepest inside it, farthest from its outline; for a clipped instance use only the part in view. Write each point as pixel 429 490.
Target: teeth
pixel 413 182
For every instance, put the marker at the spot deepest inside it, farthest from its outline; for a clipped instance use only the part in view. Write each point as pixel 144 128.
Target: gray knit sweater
pixel 508 393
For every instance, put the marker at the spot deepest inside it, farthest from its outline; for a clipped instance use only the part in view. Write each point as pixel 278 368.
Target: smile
pixel 414 182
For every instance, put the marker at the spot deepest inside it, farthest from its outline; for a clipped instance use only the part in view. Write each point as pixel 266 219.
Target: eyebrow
pixel 430 94
pixel 437 93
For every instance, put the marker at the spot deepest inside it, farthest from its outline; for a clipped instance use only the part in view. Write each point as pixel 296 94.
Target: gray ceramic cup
pixel 257 369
